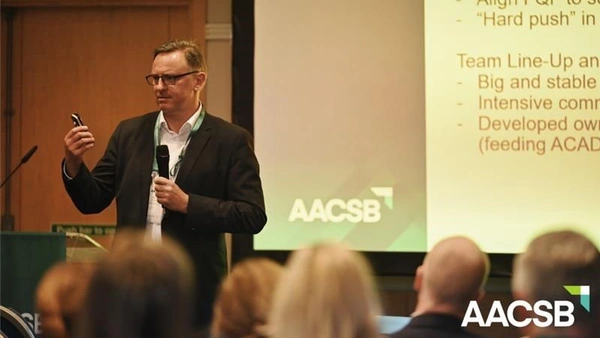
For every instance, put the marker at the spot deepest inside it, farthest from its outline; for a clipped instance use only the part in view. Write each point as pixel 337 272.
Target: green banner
pixel 24 258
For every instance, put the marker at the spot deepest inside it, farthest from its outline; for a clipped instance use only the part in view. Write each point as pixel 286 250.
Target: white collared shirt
pixel 176 142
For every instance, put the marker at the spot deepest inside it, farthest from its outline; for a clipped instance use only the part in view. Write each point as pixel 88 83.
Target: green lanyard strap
pixel 195 128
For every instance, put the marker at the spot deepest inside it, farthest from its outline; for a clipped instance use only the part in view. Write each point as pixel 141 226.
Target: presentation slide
pixel 391 124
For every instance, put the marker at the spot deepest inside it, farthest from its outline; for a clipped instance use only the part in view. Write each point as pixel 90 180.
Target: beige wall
pixel 218 51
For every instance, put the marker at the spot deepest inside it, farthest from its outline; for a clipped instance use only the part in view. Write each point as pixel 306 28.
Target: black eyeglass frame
pixel 168 80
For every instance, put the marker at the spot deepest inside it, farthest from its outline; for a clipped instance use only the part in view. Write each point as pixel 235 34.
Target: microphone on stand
pixel 23 160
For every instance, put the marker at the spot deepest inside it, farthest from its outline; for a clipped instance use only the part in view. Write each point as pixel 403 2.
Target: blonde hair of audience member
pixel 453 273
pixel 550 261
pixel 327 291
pixel 60 297
pixel 142 289
pixel 245 297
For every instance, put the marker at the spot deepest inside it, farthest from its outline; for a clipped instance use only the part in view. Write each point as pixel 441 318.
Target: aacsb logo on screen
pixel 338 210
pixel 558 313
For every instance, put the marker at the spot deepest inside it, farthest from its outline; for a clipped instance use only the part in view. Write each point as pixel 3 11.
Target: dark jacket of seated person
pixel 434 325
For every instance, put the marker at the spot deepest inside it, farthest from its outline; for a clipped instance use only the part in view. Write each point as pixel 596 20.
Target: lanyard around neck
pixel 157 137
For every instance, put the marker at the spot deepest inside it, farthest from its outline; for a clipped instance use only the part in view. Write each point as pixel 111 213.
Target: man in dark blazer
pixel 453 273
pixel 213 187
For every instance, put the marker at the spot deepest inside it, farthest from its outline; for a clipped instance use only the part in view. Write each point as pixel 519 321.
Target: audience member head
pixel 60 297
pixel 327 291
pixel 245 297
pixel 453 273
pixel 550 261
pixel 142 289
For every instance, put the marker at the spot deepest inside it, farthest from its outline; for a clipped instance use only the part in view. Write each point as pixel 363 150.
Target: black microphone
pixel 23 160
pixel 162 159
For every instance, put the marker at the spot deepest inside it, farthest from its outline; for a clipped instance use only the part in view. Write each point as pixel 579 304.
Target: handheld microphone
pixel 162 159
pixel 23 160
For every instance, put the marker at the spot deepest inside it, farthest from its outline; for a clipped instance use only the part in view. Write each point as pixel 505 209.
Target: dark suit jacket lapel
pixel 196 146
pixel 145 157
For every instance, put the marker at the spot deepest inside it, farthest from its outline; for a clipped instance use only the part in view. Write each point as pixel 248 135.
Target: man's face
pixel 182 95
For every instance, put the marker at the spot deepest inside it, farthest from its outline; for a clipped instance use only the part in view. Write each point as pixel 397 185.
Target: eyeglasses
pixel 169 80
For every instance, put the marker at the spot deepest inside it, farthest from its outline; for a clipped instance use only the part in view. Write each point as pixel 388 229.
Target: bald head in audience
pixel 551 261
pixel 453 273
